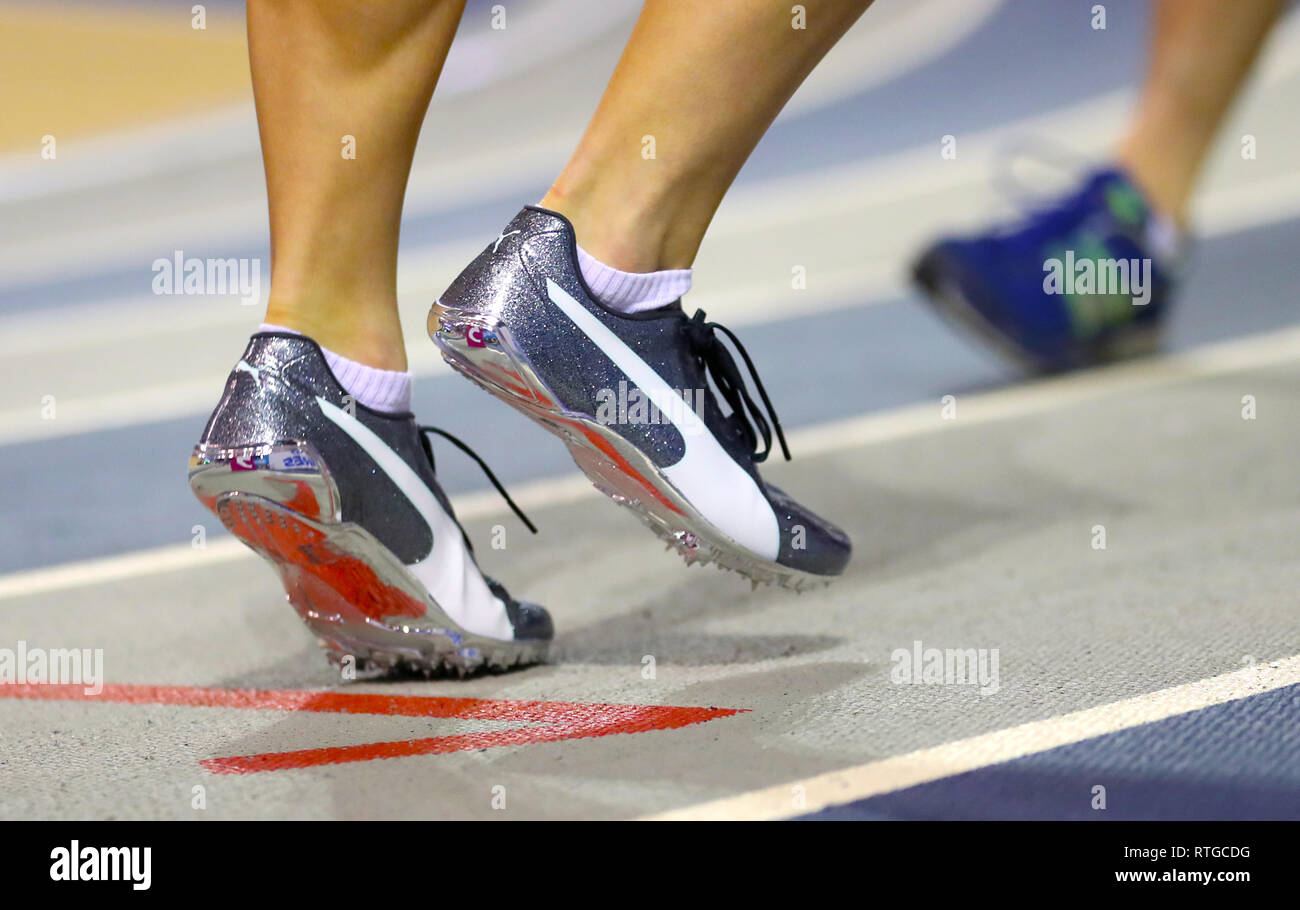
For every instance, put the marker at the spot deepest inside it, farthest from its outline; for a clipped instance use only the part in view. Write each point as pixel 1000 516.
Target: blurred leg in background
pixel 1201 52
pixel 1133 211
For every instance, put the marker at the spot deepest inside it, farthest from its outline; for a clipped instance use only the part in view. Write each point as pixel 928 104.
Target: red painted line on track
pixel 562 720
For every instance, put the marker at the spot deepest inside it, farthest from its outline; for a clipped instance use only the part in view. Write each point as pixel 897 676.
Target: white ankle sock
pixel 379 390
pixel 632 292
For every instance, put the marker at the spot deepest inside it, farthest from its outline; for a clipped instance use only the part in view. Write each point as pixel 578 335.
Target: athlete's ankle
pixel 383 390
pixel 631 226
pixel 615 238
pixel 367 335
pixel 1167 187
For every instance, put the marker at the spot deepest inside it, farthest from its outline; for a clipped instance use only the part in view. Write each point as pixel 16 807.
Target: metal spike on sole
pixel 700 551
pixel 436 665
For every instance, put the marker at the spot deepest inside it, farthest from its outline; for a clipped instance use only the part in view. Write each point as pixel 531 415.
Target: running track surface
pixel 973 534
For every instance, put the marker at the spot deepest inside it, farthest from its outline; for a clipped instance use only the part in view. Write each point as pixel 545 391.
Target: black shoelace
pixel 722 369
pixel 490 476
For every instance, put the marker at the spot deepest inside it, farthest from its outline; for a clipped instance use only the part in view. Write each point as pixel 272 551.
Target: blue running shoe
pixel 1082 282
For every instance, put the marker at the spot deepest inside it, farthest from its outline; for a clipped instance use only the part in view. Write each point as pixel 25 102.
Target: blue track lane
pixel 1236 761
pixel 1240 284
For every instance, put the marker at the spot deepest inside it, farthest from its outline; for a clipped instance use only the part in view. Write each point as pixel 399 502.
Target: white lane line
pixel 186 556
pixel 538 36
pixel 1044 395
pixel 925 765
pixel 1040 396
pixel 111 411
pixel 155 561
pixel 886 43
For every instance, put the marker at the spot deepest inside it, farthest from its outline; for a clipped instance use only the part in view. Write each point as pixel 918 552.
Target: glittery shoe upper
pixel 589 357
pixel 282 390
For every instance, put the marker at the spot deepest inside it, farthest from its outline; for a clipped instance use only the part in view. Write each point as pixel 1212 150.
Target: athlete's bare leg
pixel 703 81
pixel 1201 51
pixel 323 71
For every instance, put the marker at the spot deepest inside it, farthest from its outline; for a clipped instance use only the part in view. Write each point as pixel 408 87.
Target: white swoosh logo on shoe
pixel 706 475
pixel 245 367
pixel 448 572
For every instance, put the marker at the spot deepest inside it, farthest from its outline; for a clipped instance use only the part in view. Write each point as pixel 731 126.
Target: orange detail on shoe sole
pixel 503 377
pixel 304 500
pixel 500 377
pixel 306 558
pixel 624 466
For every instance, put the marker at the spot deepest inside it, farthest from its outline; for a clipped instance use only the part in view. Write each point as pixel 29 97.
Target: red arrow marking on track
pixel 560 720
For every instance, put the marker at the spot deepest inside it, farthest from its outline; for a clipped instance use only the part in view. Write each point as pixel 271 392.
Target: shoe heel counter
pixel 249 447
pixel 499 277
pixel 289 473
pixel 480 320
pixel 475 345
pixel 470 290
pixel 234 412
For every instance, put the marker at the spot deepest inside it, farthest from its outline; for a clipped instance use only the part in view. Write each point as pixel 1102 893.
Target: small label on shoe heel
pixel 477 337
pixel 247 462
pixel 291 460
pixel 288 473
pixel 294 459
